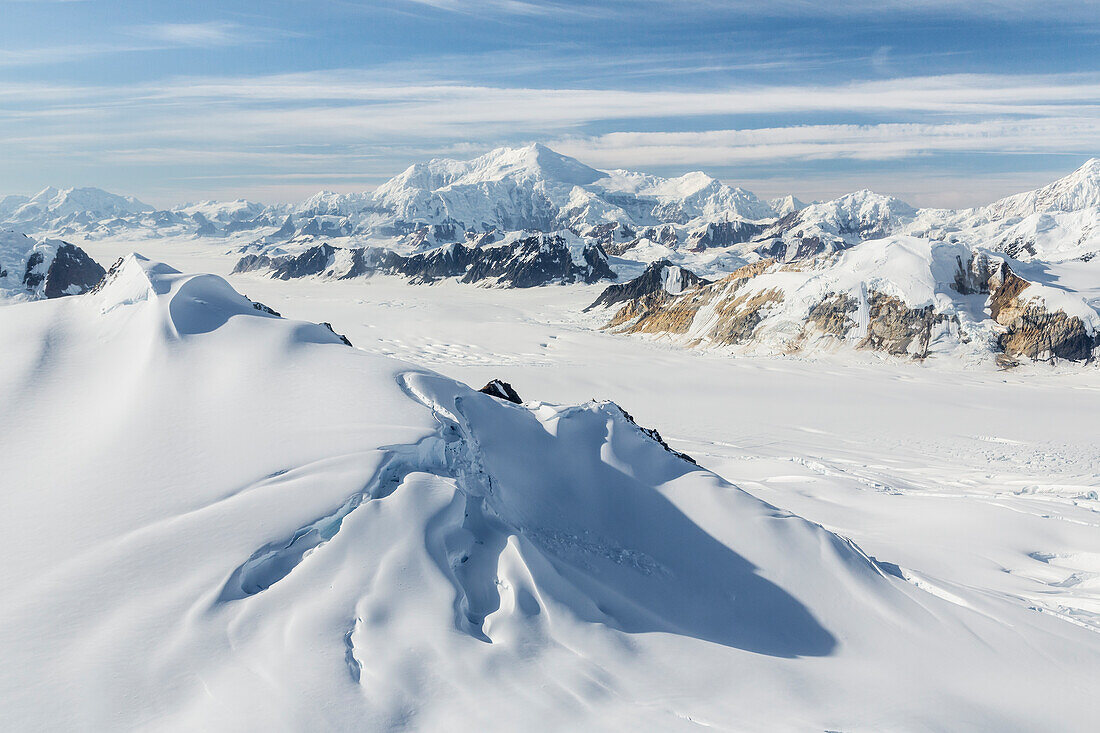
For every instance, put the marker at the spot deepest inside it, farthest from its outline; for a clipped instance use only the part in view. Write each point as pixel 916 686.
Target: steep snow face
pixel 533 163
pixel 329 203
pixel 1077 191
pixel 786 205
pixel 298 535
pixel 1056 223
pixel 508 188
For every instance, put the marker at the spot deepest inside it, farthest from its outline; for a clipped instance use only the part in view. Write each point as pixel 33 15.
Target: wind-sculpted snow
pixel 248 524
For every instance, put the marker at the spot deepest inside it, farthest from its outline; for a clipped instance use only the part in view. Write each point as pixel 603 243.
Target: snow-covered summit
pixel 1057 223
pixel 57 203
pixel 534 187
pixel 68 210
pixel 830 226
pixel 786 205
pixel 1077 191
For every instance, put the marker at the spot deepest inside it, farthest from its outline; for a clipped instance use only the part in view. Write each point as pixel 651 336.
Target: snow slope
pixel 249 524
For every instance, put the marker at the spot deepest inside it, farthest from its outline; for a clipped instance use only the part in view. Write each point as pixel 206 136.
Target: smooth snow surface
pixel 222 519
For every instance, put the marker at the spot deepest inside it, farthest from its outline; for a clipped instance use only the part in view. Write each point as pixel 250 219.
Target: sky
pixel 941 103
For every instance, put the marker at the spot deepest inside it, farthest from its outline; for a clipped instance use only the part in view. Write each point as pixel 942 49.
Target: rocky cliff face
pixel 71 272
pixel 775 307
pixel 1032 329
pixel 661 281
pixel 48 269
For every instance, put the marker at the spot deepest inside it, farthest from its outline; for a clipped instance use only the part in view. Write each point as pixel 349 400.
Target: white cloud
pixel 213 33
pixel 887 141
pixel 1000 9
pixel 143 38
pixel 355 123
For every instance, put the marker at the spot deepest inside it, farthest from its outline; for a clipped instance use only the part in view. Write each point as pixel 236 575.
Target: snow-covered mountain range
pixel 522 217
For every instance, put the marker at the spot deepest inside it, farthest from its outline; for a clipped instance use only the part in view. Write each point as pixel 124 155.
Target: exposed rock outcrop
pixel 71 272
pixel 834 314
pixel 341 336
pixel 1032 329
pixel 900 330
pixel 653 435
pixel 660 280
pixel 501 390
pixel 47 269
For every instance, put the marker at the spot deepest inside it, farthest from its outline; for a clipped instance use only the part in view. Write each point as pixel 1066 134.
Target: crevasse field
pixel 234 521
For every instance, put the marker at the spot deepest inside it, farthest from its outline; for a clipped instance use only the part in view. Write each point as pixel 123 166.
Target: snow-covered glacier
pixel 220 518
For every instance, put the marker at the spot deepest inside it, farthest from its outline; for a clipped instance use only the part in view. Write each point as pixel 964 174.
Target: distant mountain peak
pixel 1079 190
pixel 786 205
pixel 535 160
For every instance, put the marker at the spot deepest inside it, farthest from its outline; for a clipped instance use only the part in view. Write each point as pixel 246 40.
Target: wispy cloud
pixel 141 39
pixel 1001 9
pixel 357 126
pixel 212 33
pixel 888 141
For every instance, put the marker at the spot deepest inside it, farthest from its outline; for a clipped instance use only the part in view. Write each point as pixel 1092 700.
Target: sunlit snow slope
pixel 221 519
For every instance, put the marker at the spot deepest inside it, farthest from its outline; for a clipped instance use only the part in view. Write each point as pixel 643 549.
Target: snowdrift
pixel 223 519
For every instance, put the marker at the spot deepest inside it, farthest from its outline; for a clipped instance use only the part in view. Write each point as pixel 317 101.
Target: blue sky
pixel 941 103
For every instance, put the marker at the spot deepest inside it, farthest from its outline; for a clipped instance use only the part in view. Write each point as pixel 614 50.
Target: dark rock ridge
pixel 342 337
pixel 70 271
pixel 538 259
pixel 501 390
pixel 266 309
pixel 659 280
pixel 653 435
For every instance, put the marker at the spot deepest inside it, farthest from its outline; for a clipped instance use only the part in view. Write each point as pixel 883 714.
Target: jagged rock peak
pixel 501 390
pixel 661 278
